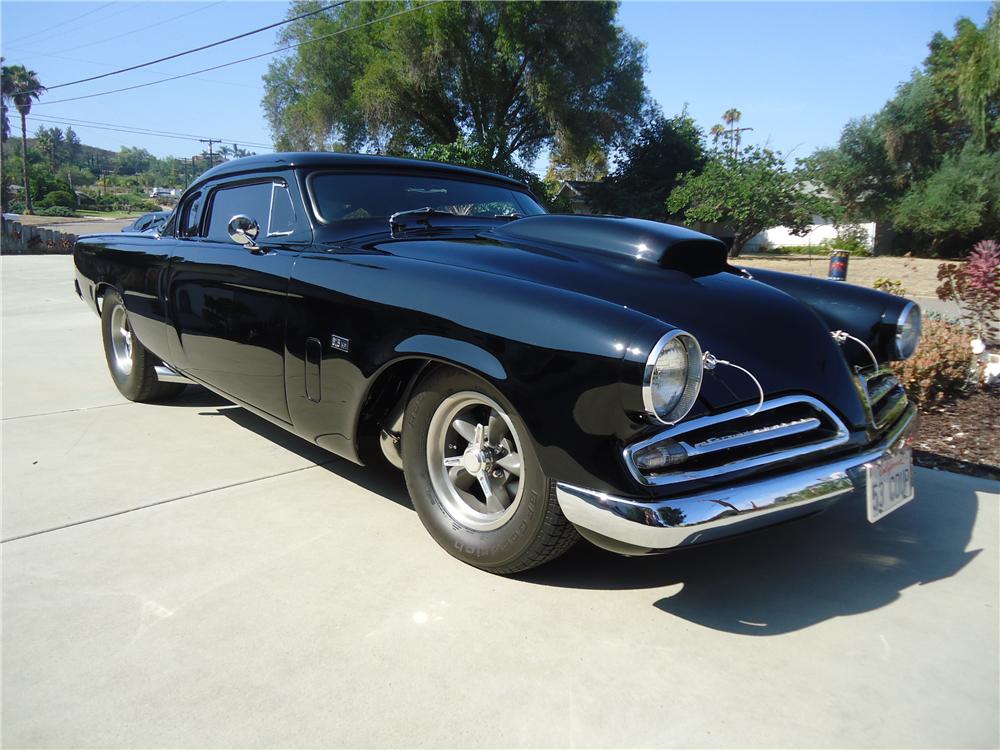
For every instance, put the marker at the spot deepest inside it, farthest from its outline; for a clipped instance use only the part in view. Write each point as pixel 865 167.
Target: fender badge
pixel 340 343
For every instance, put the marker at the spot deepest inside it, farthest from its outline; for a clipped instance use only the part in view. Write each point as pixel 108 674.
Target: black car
pixel 537 377
pixel 148 222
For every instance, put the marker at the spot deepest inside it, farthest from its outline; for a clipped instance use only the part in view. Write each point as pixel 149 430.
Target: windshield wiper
pixel 397 220
pixel 427 212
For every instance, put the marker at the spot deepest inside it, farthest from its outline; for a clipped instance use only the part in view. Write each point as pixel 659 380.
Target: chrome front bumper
pixel 635 526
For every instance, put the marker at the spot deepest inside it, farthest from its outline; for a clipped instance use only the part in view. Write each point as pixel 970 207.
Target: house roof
pixel 579 188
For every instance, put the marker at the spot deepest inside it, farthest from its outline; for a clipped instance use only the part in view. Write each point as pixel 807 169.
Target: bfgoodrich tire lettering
pixel 519 525
pixel 132 366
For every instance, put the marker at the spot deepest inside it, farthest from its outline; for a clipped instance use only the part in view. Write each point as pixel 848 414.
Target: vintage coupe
pixel 537 377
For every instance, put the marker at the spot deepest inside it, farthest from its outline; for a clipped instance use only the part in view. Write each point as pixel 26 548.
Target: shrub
pixel 15 207
pixel 976 288
pixel 892 286
pixel 942 367
pixel 56 211
pixel 58 198
pixel 852 238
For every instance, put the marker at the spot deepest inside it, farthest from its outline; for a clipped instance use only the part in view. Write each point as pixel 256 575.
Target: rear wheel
pixel 474 478
pixel 131 364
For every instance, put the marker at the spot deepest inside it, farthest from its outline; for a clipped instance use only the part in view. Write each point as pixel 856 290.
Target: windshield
pixel 346 197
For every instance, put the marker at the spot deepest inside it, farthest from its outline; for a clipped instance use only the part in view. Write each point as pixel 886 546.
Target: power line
pixel 245 59
pixel 151 70
pixel 63 120
pixel 43 120
pixel 123 34
pixel 190 51
pixel 74 19
pixel 143 28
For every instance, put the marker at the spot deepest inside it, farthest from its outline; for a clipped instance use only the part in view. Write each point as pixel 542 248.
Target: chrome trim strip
pixel 167 374
pixel 749 437
pixel 842 435
pixel 647 374
pixel 708 515
pixel 870 398
pixel 882 389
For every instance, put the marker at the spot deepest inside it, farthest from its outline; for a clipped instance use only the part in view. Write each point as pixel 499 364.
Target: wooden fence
pixel 17 239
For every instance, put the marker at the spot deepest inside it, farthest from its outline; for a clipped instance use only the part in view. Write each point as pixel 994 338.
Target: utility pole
pixel 735 136
pixel 211 156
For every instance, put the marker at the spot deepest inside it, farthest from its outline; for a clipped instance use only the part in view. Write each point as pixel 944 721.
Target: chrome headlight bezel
pixel 907 334
pixel 674 410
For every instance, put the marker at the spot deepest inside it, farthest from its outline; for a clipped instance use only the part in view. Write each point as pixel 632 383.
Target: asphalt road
pixel 187 575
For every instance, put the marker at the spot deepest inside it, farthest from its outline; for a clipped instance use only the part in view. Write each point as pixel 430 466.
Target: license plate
pixel 890 484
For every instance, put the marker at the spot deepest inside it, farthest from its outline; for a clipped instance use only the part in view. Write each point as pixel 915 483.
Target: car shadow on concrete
pixel 770 582
pixel 795 575
pixel 378 477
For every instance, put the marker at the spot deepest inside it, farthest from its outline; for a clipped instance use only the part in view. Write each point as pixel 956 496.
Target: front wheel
pixel 132 366
pixel 474 478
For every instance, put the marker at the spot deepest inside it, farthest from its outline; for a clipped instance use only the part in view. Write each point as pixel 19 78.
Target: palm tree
pixel 20 86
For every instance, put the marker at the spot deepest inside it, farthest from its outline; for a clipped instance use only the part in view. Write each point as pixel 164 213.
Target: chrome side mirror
pixel 244 230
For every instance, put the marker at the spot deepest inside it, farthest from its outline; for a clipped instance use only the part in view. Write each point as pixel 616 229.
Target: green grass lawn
pixel 109 214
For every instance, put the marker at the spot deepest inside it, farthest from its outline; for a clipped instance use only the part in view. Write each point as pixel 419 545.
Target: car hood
pixel 782 341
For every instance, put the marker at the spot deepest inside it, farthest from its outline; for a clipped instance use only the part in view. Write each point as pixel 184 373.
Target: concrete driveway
pixel 188 575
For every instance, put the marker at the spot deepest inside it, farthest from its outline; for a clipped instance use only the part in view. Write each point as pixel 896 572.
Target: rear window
pixel 346 197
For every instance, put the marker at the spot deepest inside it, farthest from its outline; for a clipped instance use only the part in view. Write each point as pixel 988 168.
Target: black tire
pixel 532 528
pixel 131 366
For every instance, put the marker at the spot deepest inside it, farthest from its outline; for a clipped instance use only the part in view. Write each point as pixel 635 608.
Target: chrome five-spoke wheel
pixel 121 340
pixel 474 460
pixel 132 366
pixel 474 476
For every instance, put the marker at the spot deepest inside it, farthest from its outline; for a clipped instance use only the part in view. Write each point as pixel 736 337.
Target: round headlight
pixel 907 331
pixel 672 378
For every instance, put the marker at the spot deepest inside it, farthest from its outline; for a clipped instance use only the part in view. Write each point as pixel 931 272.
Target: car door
pixel 227 301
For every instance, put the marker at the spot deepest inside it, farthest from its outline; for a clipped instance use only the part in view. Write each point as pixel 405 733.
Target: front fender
pixel 460 353
pixel 868 314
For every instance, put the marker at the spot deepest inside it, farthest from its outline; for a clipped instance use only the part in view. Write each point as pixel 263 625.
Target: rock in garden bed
pixel 961 435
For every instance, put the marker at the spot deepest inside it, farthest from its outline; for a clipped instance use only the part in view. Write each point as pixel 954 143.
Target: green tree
pixel 751 191
pixel 958 202
pixel 131 161
pixel 649 166
pixel 73 146
pixel 51 142
pixel 21 87
pixel 592 167
pixel 478 156
pixel 901 161
pixel 511 78
pixel 858 174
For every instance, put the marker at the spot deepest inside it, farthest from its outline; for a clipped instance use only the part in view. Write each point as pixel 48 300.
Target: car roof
pixel 330 160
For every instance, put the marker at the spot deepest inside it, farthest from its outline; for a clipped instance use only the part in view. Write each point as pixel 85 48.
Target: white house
pixel 822 229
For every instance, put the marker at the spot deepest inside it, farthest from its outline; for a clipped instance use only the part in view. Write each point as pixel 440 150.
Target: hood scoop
pixel 665 245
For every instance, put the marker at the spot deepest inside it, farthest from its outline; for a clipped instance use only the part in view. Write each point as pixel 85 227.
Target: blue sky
pixel 798 71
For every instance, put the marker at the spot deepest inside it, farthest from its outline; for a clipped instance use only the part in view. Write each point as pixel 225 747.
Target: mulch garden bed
pixel 962 435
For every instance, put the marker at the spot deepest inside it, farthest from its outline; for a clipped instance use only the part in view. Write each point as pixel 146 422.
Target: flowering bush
pixel 976 288
pixel 941 367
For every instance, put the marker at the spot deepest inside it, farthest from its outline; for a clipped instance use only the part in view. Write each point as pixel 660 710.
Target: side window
pixel 282 219
pixel 250 200
pixel 191 216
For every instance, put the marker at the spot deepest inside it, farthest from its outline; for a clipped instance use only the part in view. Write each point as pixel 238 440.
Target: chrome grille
pixel 883 396
pixel 784 428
